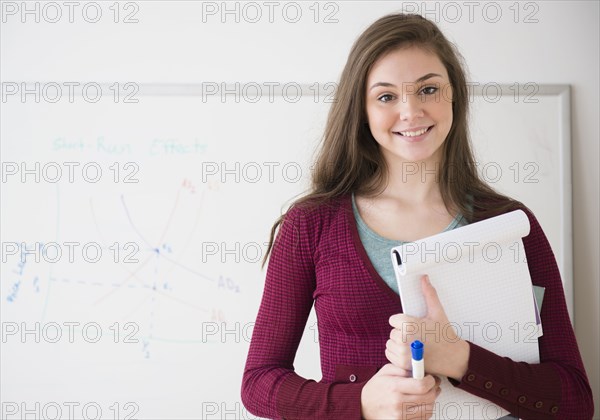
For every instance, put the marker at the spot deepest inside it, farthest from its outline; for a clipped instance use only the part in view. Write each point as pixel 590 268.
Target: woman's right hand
pixel 393 394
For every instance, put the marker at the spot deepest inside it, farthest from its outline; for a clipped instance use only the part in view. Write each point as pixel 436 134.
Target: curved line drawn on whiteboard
pixel 156 250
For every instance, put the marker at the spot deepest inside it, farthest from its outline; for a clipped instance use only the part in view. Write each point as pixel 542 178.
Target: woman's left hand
pixel 445 353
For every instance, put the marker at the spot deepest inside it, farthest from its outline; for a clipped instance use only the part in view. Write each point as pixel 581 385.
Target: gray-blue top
pixel 378 248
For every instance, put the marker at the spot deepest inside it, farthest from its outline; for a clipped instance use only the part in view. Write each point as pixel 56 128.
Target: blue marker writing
pixel 418 364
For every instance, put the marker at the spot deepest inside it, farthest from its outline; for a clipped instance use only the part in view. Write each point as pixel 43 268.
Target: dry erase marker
pixel 418 364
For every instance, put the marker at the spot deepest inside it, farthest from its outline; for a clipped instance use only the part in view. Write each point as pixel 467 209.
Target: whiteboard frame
pixel 562 94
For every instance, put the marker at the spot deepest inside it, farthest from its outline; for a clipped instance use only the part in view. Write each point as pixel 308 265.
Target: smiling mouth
pixel 413 133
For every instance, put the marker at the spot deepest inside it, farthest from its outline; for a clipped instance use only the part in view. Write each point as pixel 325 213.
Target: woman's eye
pixel 387 97
pixel 429 90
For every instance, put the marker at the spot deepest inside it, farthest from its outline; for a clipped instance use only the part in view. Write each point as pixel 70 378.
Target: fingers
pixel 390 394
pixel 398 355
pixel 394 370
pixel 417 387
pixel 397 336
pixel 420 406
pixel 399 320
pixel 427 398
pixel 408 331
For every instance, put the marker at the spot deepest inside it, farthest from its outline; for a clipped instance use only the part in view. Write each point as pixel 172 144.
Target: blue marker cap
pixel 416 348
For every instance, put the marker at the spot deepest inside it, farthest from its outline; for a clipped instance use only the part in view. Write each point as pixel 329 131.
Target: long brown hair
pixel 349 159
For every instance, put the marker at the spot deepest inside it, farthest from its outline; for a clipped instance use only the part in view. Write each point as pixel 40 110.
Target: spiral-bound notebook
pixel 482 279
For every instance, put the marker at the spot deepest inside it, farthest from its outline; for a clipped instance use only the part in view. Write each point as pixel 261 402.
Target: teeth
pixel 413 133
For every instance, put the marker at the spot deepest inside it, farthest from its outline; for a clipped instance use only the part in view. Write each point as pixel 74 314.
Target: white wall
pixel 172 44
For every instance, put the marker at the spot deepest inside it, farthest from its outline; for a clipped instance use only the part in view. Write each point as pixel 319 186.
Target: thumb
pixel 435 310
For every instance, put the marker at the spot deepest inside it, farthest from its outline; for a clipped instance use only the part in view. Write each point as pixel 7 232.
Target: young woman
pixel 401 108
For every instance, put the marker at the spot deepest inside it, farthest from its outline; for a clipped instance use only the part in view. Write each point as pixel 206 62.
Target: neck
pixel 414 183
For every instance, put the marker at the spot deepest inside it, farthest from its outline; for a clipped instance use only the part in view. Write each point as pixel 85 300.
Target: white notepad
pixel 482 279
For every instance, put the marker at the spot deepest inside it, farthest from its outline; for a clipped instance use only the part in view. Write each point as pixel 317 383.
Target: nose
pixel 410 107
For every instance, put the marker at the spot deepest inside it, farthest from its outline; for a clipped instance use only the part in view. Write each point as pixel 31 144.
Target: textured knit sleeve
pixel 557 387
pixel 270 387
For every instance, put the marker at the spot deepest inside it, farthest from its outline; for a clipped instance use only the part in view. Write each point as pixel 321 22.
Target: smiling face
pixel 409 106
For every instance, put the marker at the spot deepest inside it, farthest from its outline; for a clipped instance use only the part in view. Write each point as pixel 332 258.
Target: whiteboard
pixel 149 220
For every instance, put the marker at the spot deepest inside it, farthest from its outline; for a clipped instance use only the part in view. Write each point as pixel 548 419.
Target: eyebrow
pixel 420 79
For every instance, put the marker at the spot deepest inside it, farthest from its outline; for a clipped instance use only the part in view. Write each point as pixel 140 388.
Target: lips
pixel 414 132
